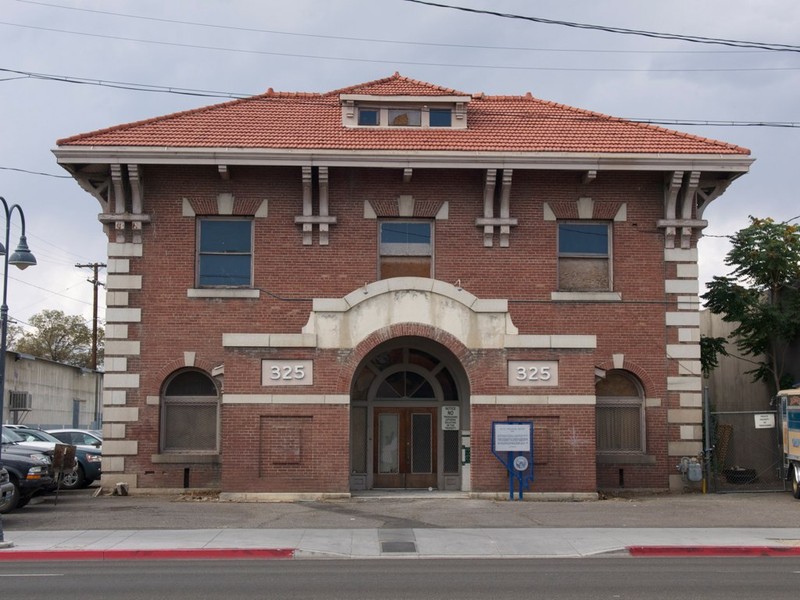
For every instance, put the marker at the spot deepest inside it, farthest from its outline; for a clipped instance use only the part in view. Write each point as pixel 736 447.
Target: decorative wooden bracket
pixel 489 221
pixel 308 219
pixel 127 209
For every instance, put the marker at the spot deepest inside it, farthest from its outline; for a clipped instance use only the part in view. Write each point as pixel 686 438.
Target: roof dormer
pixel 413 112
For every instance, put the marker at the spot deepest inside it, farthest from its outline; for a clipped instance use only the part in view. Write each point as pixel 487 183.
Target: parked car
pixel 89 458
pixel 79 437
pixel 6 490
pixel 30 471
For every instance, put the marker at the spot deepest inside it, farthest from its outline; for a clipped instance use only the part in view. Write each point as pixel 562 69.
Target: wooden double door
pixel 404 448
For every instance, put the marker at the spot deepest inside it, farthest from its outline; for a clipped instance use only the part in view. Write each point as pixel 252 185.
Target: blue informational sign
pixel 512 444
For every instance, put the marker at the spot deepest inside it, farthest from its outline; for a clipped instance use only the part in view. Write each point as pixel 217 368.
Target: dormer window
pixel 424 112
pixel 369 117
pixel 441 117
pixel 405 117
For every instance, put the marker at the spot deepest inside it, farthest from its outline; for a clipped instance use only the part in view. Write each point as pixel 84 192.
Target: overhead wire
pixel 618 30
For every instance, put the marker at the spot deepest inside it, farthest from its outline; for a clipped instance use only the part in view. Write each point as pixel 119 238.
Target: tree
pixel 60 337
pixel 762 295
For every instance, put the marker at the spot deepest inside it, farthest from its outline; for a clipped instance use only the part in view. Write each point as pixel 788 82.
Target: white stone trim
pixel 223 293
pixel 118 265
pixel 126 414
pixel 117 298
pixel 115 363
pixel 652 402
pixel 683 351
pixel 551 341
pixel 269 340
pixel 684 384
pixel 685 415
pixel 691 400
pixel 122 348
pixel 114 397
pixel 681 286
pixel 541 400
pixel 690 367
pixel 188 358
pixel 123 315
pixel 116 331
pixel 688 271
pixel 153 400
pixel 689 303
pixel 691 432
pixel 119 448
pixel 186 208
pixel 114 431
pixel 119 380
pixel 684 448
pixel 113 464
pixel 688 255
pixel 124 250
pixel 689 334
pixel 683 319
pixel 586 296
pixel 123 282
pixel 285 399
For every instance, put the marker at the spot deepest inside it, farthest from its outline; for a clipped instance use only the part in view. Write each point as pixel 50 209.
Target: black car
pixel 30 471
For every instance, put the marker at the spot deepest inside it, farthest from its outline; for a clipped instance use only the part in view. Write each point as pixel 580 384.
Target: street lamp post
pixel 22 258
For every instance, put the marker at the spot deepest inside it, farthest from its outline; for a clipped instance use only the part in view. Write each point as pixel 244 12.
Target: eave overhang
pixel 418 159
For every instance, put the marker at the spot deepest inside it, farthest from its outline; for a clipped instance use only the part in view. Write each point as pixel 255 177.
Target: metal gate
pixel 746 451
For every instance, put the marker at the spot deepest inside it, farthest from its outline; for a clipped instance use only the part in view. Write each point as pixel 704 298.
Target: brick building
pixel 325 293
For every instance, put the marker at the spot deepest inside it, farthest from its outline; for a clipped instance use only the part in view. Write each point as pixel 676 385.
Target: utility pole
pixel 95 284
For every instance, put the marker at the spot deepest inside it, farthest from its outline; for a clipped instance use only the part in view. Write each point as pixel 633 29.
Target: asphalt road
pixel 556 579
pixel 79 510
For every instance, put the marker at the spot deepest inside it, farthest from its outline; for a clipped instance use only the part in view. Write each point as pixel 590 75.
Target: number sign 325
pixel 533 373
pixel 287 372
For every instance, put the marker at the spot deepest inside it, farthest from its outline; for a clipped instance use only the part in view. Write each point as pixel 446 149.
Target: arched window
pixel 620 413
pixel 190 413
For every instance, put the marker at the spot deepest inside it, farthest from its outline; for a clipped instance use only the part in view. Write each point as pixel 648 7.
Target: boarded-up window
pixel 584 262
pixel 620 414
pixel 406 249
pixel 190 414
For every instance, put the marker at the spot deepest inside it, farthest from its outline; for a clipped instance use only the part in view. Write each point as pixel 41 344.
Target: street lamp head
pixel 22 257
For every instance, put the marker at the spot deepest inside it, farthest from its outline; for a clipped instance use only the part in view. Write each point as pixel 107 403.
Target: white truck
pixel 788 402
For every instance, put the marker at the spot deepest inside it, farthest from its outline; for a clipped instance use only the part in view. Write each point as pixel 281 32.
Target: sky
pixel 100 56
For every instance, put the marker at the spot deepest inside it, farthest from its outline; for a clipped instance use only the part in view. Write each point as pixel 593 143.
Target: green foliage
pixel 761 295
pixel 60 337
pixel 711 348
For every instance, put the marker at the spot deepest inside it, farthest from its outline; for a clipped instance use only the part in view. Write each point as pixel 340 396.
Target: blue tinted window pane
pixel 441 117
pixel 225 236
pixel 583 238
pixel 405 233
pixel 367 116
pixel 225 270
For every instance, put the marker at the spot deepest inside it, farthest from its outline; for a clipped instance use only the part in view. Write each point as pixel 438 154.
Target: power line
pixel 141 87
pixel 35 173
pixel 368 40
pixel 620 30
pixel 393 62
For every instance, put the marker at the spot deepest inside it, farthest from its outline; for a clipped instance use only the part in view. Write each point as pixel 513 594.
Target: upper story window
pixel 441 117
pixel 405 117
pixel 369 117
pixel 584 257
pixel 406 249
pixel 364 110
pixel 224 252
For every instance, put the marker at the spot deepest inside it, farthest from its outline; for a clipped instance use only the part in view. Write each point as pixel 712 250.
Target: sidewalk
pixel 105 528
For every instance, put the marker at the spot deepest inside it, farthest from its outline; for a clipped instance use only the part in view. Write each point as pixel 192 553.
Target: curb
pixel 713 551
pixel 174 554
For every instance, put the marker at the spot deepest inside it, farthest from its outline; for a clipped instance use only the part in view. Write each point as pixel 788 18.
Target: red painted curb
pixel 177 554
pixel 714 550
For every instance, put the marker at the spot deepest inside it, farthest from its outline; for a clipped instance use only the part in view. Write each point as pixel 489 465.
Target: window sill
pixel 185 458
pixel 586 296
pixel 625 459
pixel 223 293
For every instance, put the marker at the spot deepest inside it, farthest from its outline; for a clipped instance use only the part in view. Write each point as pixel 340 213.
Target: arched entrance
pixel 408 410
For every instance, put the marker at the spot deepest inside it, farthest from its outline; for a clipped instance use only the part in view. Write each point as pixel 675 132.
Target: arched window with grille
pixel 190 413
pixel 620 420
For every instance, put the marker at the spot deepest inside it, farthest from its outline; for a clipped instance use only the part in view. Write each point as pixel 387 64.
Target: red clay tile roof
pixel 280 120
